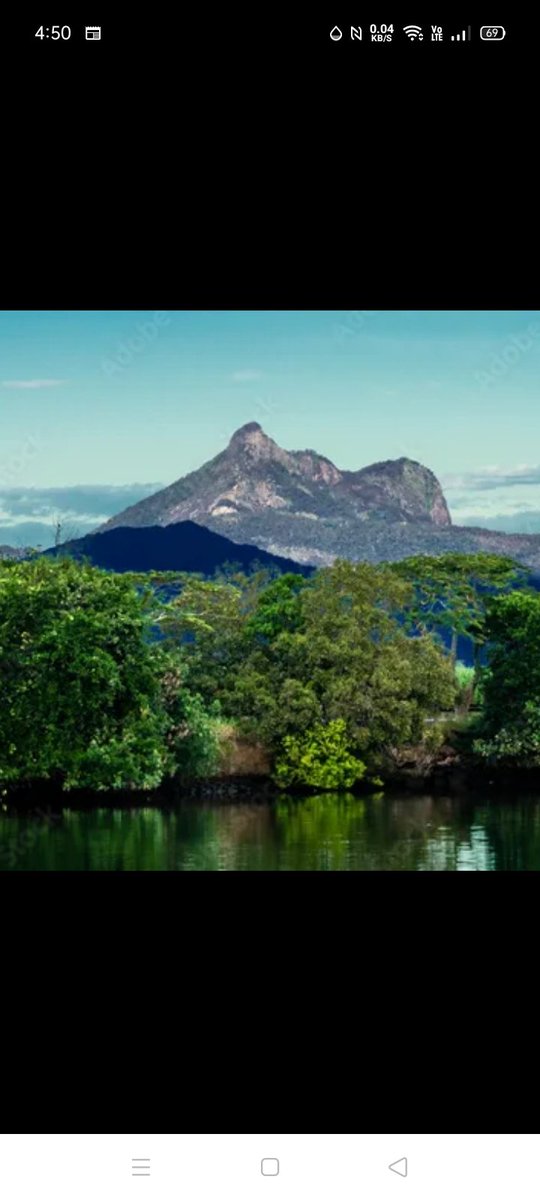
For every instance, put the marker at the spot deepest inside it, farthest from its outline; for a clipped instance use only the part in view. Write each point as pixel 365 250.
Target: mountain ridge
pixel 298 505
pixel 254 475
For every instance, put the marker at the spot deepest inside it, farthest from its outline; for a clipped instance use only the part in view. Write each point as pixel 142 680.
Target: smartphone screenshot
pixel 269 480
pixel 269 600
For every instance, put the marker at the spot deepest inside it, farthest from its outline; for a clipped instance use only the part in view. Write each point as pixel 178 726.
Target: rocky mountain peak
pixel 255 491
pixel 241 435
pixel 252 441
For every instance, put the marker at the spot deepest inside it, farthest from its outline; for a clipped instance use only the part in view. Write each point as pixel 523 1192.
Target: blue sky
pixel 92 402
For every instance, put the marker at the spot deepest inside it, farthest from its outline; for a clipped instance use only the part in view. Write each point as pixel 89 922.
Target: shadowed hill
pixel 183 546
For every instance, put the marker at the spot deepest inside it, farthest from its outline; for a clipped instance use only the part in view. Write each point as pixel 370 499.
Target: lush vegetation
pixel 510 729
pixel 319 759
pixel 452 593
pixel 86 698
pixel 120 681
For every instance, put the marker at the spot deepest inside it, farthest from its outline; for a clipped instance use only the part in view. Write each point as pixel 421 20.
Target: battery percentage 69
pixel 492 33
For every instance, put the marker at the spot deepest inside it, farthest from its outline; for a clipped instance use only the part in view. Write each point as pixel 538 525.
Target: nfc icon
pixel 356 33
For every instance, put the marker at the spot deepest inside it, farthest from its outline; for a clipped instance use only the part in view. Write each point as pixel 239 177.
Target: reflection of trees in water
pixel 424 832
pixel 514 833
pixel 325 832
pixel 439 833
pixel 103 839
pixel 485 834
pixel 317 832
pixel 243 823
pixel 245 837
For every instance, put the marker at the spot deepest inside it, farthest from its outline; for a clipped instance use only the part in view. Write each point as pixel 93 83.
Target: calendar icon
pixel 92 33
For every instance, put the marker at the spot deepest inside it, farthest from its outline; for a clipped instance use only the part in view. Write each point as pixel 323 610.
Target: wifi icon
pixel 413 31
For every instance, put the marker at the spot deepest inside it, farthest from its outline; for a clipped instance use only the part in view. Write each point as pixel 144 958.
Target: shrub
pixel 517 743
pixel 319 759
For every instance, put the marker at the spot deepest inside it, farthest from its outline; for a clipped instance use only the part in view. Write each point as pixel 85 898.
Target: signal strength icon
pixel 413 31
pixel 464 36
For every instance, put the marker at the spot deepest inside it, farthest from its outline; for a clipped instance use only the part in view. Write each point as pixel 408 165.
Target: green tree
pixel 218 622
pixel 83 699
pixel 192 727
pixel 278 609
pixel 347 658
pixel 207 621
pixel 511 681
pixel 451 592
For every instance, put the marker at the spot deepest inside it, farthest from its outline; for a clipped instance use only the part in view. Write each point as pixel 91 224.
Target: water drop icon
pixel 336 34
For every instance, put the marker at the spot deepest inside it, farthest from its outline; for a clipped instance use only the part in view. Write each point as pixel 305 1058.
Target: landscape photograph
pixel 270 590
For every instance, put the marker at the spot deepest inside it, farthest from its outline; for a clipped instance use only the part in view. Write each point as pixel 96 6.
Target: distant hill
pixel 12 552
pixel 184 546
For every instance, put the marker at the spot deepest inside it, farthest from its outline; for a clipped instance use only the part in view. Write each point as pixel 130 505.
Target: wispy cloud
pixel 32 383
pixel 246 376
pixel 498 497
pixel 487 478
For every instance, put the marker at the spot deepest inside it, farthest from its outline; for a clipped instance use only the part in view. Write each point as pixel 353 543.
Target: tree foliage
pixel 319 759
pixel 83 694
pixel 347 657
pixel 113 681
pixel 511 681
pixel 450 591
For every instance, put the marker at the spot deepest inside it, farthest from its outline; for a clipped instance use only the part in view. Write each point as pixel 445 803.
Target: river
pixel 323 832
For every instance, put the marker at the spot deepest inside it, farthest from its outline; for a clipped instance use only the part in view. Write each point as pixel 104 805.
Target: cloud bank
pixel 28 515
pixel 496 497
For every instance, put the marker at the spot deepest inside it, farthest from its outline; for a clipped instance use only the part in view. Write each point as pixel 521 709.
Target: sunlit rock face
pixel 298 504
pixel 257 490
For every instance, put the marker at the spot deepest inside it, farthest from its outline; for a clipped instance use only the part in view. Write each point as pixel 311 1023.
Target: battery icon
pixel 492 33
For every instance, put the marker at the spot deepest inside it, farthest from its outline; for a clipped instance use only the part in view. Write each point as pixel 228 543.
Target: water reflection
pixel 321 833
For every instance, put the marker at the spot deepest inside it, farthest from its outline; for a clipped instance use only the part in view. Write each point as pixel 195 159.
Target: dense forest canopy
pixel 122 681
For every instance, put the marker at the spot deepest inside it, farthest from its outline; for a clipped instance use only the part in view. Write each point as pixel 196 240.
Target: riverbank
pixel 458 779
pixel 244 774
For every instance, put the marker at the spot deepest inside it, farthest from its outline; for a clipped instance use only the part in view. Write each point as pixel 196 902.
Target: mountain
pixel 11 552
pixel 253 475
pixel 285 491
pixel 298 504
pixel 183 546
